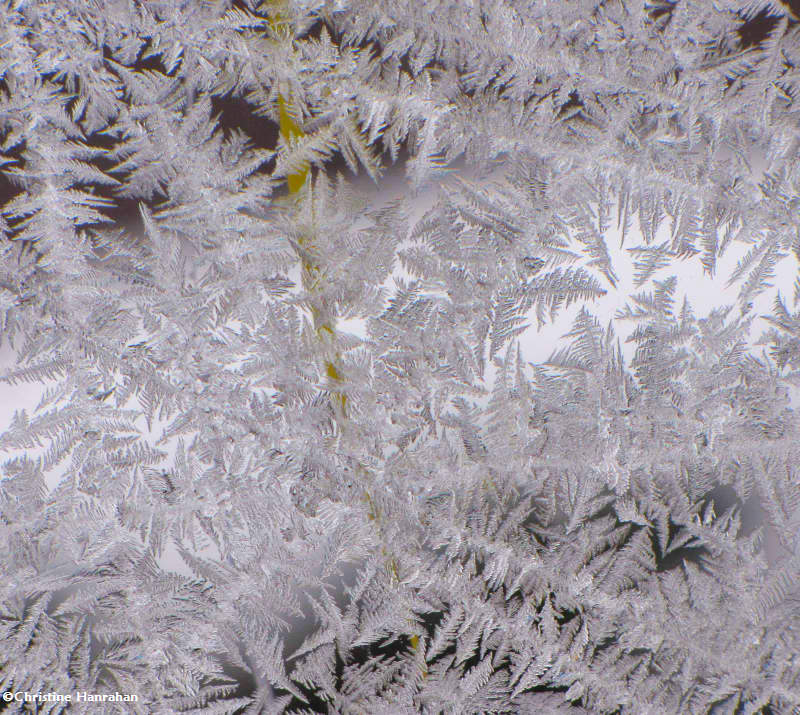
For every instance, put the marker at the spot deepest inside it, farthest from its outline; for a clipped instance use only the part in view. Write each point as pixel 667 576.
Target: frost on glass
pixel 365 358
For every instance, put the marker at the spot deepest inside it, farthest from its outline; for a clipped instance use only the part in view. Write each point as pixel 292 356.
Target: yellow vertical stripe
pixel 289 130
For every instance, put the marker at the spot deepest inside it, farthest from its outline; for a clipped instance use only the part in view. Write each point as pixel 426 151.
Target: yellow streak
pixel 289 130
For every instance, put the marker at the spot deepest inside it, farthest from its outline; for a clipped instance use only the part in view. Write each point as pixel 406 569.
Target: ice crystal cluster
pixel 230 500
